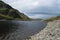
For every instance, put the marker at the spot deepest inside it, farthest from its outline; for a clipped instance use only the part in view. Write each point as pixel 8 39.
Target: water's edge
pixel 20 29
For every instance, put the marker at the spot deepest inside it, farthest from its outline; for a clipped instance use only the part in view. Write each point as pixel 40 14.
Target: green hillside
pixel 53 18
pixel 9 13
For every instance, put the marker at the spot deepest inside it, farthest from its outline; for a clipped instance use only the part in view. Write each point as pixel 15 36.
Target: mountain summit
pixel 9 13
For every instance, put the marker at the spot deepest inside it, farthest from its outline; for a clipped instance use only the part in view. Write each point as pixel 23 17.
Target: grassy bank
pixel 52 18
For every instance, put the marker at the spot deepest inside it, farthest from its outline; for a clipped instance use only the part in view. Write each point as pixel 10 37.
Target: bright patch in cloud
pixel 35 3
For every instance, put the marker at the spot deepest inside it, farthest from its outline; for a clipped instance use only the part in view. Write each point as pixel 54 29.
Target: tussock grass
pixel 52 18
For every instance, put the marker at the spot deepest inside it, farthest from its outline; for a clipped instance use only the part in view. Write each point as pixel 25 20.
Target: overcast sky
pixel 36 8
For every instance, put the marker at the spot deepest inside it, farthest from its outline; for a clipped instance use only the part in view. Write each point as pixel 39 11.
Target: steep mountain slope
pixel 9 13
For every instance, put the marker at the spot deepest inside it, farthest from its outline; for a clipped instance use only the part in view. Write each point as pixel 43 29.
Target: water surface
pixel 19 30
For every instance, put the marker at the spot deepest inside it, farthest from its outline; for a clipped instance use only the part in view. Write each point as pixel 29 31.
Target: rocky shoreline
pixel 50 32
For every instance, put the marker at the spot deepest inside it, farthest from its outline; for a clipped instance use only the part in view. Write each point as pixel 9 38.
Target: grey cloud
pixel 45 13
pixel 51 9
pixel 54 10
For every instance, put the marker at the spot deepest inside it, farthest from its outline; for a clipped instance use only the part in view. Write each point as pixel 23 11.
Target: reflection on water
pixel 19 30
